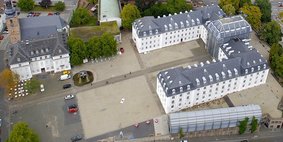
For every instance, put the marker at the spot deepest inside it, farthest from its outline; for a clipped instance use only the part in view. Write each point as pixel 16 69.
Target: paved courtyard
pixel 102 111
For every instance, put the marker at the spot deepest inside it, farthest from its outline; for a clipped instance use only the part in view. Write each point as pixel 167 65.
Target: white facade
pixel 211 92
pixel 157 41
pixel 41 64
pixel 2 21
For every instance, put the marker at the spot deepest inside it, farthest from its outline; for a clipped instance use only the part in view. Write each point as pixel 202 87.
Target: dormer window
pixel 170 26
pixel 188 87
pixel 217 76
pixel 223 75
pixel 210 78
pixel 18 59
pixel 181 89
pixel 36 52
pixel 187 23
pixel 229 73
pixel 258 68
pixel 156 31
pixel 173 91
pixel 176 26
pixel 246 71
pixel 144 33
pixel 165 27
pixel 198 82
pixel 264 66
pixel 236 71
pixel 204 80
pixel 252 69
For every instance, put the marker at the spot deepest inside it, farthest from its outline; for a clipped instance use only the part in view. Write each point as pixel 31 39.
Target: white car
pixel 68 97
pixel 42 88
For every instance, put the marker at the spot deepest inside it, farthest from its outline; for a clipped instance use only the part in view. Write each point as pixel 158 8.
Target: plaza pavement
pixel 102 112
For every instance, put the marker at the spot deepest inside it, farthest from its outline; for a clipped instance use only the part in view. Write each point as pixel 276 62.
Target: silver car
pixel 68 97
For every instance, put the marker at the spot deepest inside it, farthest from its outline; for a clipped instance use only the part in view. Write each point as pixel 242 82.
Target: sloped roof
pixel 40 27
pixel 25 50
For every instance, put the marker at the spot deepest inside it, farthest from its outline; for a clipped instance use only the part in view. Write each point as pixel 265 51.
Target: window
pixel 173 102
pixel 172 106
pixel 180 99
pixel 188 97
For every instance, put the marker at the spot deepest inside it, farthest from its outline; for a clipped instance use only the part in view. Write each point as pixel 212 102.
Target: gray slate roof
pixel 40 27
pixel 149 25
pixel 25 50
pixel 205 74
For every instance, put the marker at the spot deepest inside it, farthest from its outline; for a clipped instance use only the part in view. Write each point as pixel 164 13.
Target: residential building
pixel 236 65
pixel 39 44
pixel 151 33
pixel 52 1
pixel 212 119
pixel 109 10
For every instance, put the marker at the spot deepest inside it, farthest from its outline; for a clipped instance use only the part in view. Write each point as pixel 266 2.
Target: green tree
pixel 265 8
pixel 94 48
pixel 252 15
pixel 156 10
pixel 129 14
pixel 243 125
pixel 22 133
pixel 80 17
pixel 32 85
pixel 229 9
pixel 45 3
pixel 78 50
pixel 92 1
pixel 109 45
pixel 25 5
pixel 181 133
pixel 59 6
pixel 271 32
pixel 235 3
pixel 254 124
pixel 175 6
pixel 274 54
pixel 244 2
pixel 144 4
pixel 279 66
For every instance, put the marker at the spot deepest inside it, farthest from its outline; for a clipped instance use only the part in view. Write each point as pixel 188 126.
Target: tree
pixel 156 10
pixel 144 4
pixel 32 85
pixel 243 125
pixel 176 6
pixel 25 5
pixel 59 6
pixel 244 2
pixel 274 54
pixel 78 50
pixel 229 9
pixel 235 3
pixel 45 3
pixel 8 79
pixel 94 48
pixel 181 133
pixel 109 45
pixel 22 133
pixel 279 66
pixel 92 1
pixel 271 32
pixel 265 8
pixel 129 14
pixel 254 124
pixel 252 15
pixel 80 17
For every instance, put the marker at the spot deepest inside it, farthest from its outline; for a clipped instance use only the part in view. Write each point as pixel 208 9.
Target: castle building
pixel 235 66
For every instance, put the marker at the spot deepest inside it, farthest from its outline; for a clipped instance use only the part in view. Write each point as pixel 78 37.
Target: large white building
pixel 42 47
pixel 236 65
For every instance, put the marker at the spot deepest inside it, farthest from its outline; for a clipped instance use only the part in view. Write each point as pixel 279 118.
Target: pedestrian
pixel 125 76
pixel 91 84
pixel 46 126
pixel 130 72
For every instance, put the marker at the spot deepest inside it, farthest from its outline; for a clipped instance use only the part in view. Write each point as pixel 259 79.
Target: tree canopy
pixel 94 48
pixel 92 1
pixel 271 32
pixel 8 79
pixel 22 133
pixel 235 3
pixel 144 4
pixel 265 8
pixel 80 17
pixel 59 6
pixel 45 3
pixel 229 9
pixel 276 59
pixel 252 15
pixel 171 7
pixel 243 125
pixel 129 14
pixel 25 5
pixel 254 124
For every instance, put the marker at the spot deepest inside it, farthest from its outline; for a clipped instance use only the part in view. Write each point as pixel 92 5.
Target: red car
pixel 72 110
pixel 49 14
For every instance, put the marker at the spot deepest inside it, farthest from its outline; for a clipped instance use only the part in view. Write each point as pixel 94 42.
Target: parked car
pixel 42 88
pixel 50 14
pixel 66 86
pixel 66 72
pixel 137 125
pixel 72 110
pixel 76 138
pixel 57 13
pixel 68 97
pixel 64 77
pixel 5 32
pixel 73 106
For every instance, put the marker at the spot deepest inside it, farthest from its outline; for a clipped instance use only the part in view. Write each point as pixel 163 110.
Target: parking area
pixel 50 119
pixel 102 110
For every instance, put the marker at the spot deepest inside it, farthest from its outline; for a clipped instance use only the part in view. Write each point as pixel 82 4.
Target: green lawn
pixel 39 8
pixel 86 32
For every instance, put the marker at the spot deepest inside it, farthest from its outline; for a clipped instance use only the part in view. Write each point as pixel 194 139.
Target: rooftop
pixel 109 9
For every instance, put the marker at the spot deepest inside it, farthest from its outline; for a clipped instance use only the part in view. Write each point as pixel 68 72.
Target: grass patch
pixel 39 8
pixel 87 32
pixel 76 79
